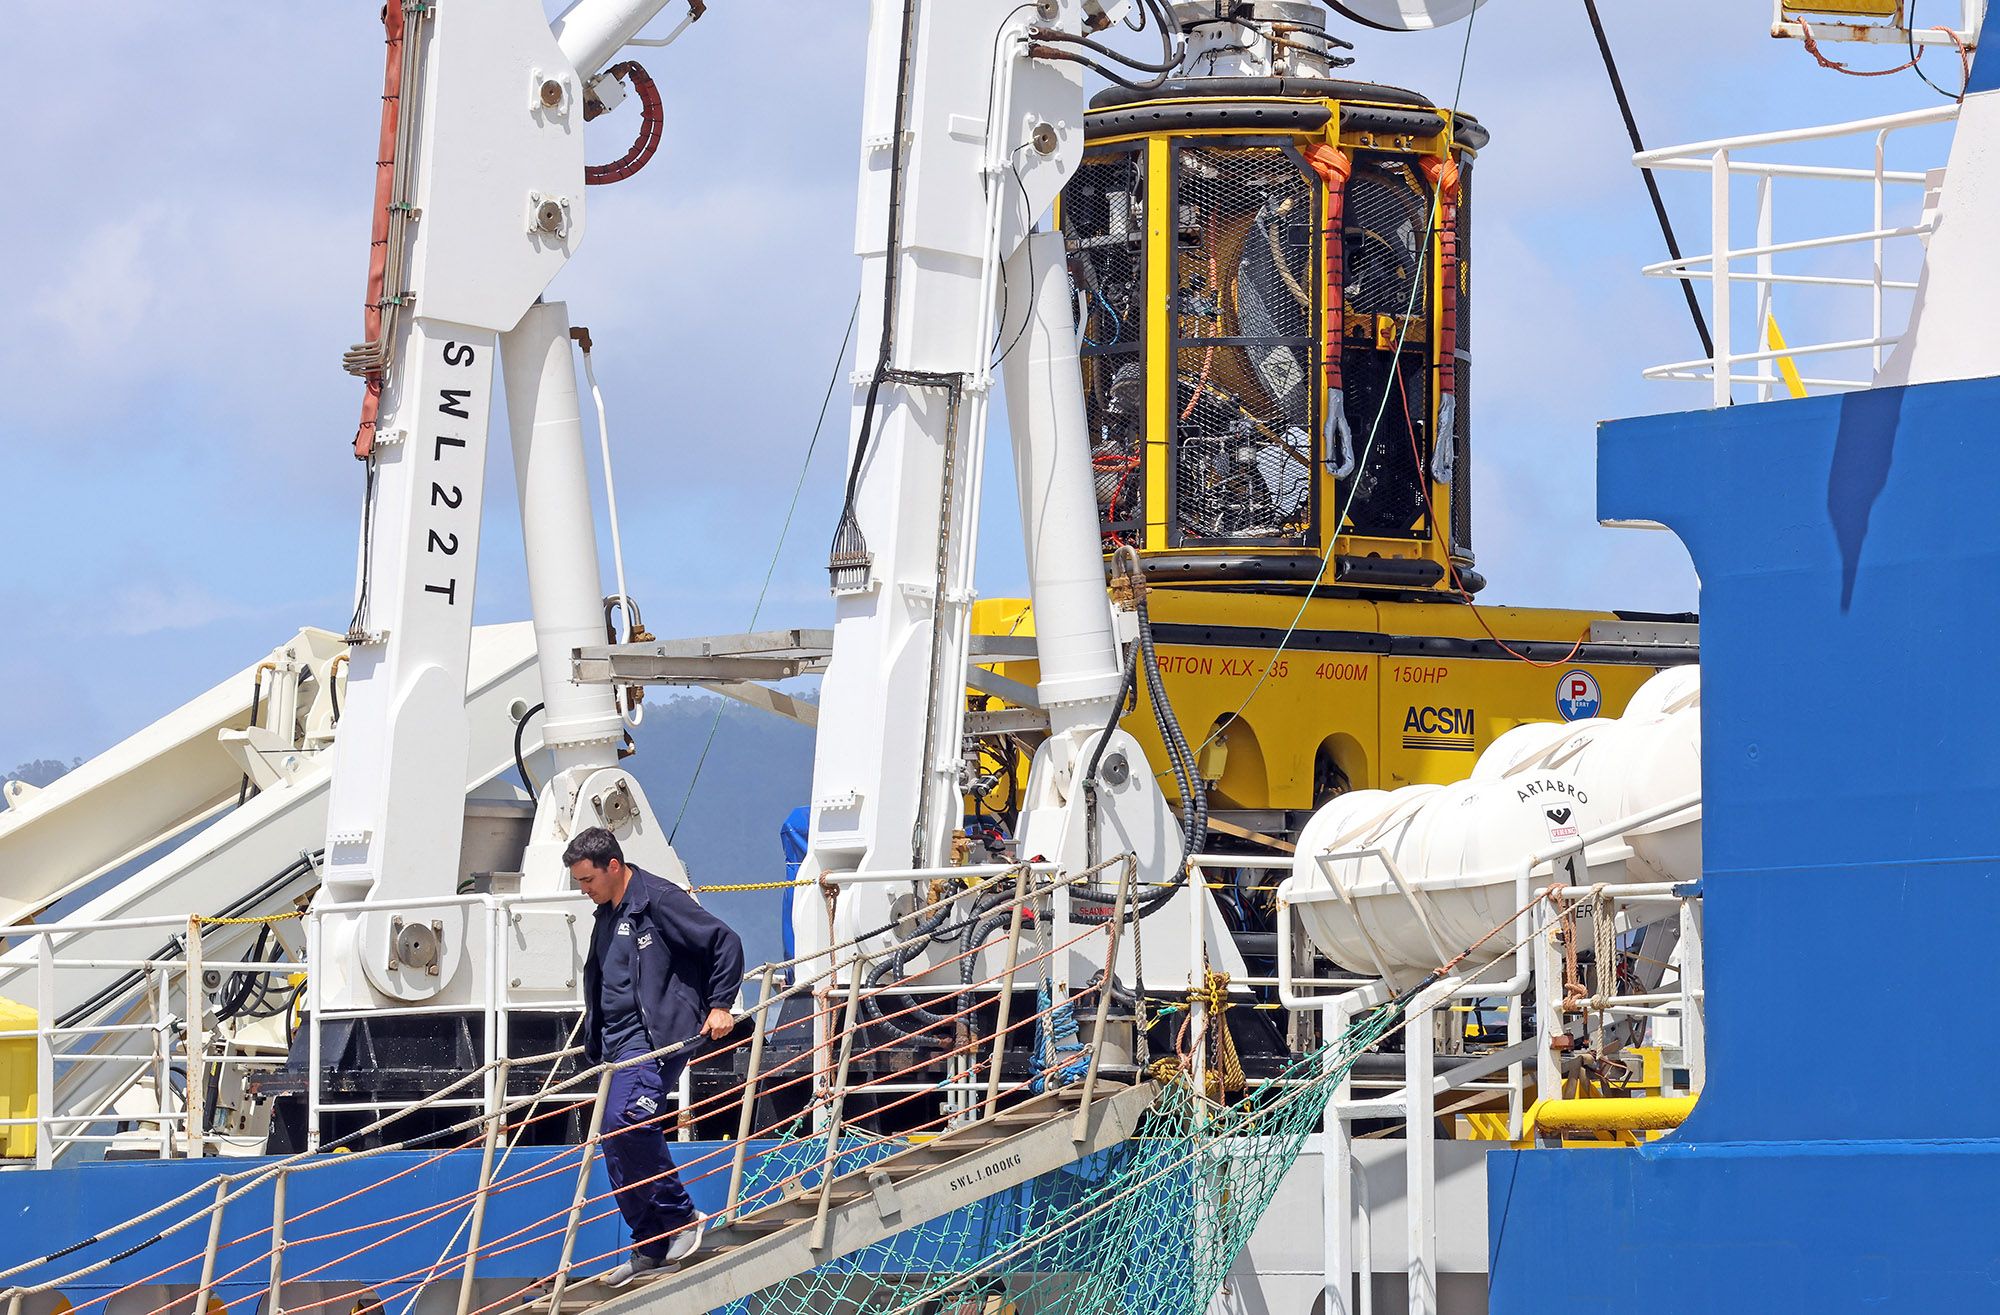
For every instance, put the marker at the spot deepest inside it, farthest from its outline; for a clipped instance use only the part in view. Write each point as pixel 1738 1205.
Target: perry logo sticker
pixel 1577 696
pixel 645 939
pixel 1560 825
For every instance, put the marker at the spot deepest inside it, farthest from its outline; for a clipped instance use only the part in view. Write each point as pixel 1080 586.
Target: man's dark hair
pixel 595 846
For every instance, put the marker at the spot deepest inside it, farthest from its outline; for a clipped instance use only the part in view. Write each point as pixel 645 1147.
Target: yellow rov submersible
pixel 1273 275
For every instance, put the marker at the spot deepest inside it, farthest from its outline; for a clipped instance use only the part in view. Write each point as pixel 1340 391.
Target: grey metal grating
pixel 1245 258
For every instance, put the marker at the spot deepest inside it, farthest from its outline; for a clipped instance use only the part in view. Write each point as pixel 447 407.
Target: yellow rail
pixel 1601 1114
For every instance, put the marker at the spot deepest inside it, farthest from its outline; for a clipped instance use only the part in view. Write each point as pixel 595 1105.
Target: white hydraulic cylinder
pixel 885 779
pixel 590 32
pixel 1075 639
pixel 581 727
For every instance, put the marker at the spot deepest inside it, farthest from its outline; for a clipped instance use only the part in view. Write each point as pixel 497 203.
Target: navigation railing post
pixel 850 1024
pixel 746 1118
pixel 588 1152
pixel 1126 876
pixel 1718 271
pixel 1197 950
pixel 162 1061
pixel 197 1045
pixel 1694 1025
pixel 315 957
pixel 496 1114
pixel 214 1246
pixel 271 1304
pixel 1005 1005
pixel 1549 1022
pixel 45 1051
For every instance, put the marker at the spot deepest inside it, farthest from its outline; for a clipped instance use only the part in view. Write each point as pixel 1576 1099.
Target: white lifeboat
pixel 1420 873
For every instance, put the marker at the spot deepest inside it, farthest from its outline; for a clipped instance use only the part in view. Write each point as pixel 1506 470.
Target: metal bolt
pixel 517 981
pixel 1043 138
pixel 552 94
pixel 549 217
pixel 1048 8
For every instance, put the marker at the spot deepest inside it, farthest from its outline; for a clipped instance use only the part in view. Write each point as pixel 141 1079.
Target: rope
pixel 1812 48
pixel 777 549
pixel 251 922
pixel 756 885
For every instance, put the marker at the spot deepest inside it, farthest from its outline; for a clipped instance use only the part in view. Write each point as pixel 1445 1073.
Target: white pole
pixel 1337 1184
pixel 1764 259
pixel 1875 323
pixel 45 1048
pixel 566 594
pixel 1420 1163
pixel 1718 267
pixel 1694 1025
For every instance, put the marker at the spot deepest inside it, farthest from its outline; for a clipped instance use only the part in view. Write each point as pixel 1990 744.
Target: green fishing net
pixel 1151 1224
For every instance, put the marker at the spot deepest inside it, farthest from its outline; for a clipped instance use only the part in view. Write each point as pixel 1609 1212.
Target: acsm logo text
pixel 1438 721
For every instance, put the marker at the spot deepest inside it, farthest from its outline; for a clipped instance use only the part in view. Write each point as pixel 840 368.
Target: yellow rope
pixel 756 885
pixel 249 922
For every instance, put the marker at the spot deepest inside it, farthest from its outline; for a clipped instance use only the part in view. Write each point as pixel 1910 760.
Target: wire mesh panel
pixel 1245 445
pixel 1385 353
pixel 1104 221
pixel 1153 1224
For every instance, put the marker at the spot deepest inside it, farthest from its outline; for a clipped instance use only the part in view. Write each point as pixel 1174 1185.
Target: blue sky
pixel 191 239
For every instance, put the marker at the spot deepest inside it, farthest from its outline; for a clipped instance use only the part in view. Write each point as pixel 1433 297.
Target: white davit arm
pixel 487 197
pixel 967 137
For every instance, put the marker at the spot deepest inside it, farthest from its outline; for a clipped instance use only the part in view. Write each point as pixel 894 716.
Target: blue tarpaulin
pixel 793 836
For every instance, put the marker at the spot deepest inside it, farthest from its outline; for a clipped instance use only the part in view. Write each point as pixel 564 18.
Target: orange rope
pixel 1964 58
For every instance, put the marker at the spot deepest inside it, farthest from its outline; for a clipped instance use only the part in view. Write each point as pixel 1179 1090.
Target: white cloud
pixel 104 288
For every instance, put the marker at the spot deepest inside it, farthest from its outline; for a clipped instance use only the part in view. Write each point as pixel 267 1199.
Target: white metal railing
pixel 1812 262
pixel 112 1065
pixel 1540 881
pixel 1108 885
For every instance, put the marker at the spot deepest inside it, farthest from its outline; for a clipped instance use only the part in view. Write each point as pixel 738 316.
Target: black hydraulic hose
pixel 82 1012
pixel 1170 63
pixel 1052 52
pixel 847 535
pixel 931 930
pixel 1652 185
pixel 520 760
pixel 241 983
pixel 1187 770
pixel 1125 683
pixel 256 707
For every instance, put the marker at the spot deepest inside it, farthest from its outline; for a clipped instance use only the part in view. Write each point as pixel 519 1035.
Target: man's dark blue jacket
pixel 690 964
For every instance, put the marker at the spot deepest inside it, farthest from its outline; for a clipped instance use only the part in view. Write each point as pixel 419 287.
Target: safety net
pixel 1151 1225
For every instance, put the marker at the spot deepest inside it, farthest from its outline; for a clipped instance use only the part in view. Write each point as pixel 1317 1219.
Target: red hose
pixel 1443 174
pixel 378 233
pixel 1333 167
pixel 651 121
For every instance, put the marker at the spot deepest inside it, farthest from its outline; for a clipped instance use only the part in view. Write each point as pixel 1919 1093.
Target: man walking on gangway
pixel 661 969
